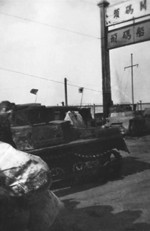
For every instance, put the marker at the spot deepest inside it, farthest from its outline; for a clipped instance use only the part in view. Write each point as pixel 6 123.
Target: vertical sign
pixel 118 14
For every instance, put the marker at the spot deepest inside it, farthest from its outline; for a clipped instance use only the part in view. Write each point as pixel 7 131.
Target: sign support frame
pixel 106 85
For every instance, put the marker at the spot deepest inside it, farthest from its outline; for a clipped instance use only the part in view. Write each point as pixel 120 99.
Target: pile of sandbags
pixel 26 203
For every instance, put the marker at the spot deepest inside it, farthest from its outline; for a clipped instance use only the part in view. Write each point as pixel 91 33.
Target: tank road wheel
pixel 78 172
pixel 84 172
pixel 58 174
pixel 113 165
pixel 78 167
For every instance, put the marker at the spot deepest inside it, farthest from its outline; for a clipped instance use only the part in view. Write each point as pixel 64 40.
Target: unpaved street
pixel 119 205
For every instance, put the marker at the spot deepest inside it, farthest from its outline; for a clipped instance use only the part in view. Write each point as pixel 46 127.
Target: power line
pixel 31 75
pixel 89 2
pixel 48 25
pixel 87 84
pixel 74 85
pixel 114 4
pixel 60 1
pixel 43 78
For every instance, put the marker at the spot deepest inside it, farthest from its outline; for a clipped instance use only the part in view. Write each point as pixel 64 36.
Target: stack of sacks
pixel 26 202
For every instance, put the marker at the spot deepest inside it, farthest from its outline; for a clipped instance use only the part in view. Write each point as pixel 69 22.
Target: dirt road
pixel 119 205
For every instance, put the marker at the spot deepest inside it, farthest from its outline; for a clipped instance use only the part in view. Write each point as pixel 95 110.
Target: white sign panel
pixel 126 11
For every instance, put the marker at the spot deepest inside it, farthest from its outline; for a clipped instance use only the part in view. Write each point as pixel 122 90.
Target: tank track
pixel 97 166
pixel 78 167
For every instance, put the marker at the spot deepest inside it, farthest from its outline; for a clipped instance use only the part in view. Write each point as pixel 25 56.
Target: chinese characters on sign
pixel 129 35
pixel 140 31
pixel 114 38
pixel 126 34
pixel 126 11
pixel 116 13
pixel 129 9
pixel 143 5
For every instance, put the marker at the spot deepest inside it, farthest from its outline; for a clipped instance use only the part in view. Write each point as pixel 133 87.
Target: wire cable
pixel 90 2
pixel 48 25
pixel 75 85
pixel 31 75
pixel 43 78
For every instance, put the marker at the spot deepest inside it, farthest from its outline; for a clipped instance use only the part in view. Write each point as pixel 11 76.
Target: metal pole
pixel 132 83
pixel 35 98
pixel 65 86
pixel 94 111
pixel 107 101
pixel 81 99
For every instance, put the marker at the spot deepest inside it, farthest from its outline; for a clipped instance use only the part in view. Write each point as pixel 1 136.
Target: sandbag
pixel 14 213
pixel 20 172
pixel 35 213
pixel 26 203
pixel 43 211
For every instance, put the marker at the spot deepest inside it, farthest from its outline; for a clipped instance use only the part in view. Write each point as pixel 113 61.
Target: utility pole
pixel 65 87
pixel 132 81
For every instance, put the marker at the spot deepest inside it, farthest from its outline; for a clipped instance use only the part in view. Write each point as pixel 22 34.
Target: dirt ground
pixel 118 205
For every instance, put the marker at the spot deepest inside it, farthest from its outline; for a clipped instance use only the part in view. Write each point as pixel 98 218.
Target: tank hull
pixel 73 148
pixel 85 159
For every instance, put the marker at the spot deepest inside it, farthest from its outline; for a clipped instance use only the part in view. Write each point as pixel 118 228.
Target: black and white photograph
pixel 74 115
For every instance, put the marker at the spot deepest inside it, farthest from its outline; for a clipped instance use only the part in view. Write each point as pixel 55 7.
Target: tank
pixel 66 138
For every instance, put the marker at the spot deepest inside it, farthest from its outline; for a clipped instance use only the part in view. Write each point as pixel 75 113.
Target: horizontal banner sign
pixel 129 35
pixel 126 11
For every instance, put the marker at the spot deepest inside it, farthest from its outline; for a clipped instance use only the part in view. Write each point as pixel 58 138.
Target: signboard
pixel 129 35
pixel 126 11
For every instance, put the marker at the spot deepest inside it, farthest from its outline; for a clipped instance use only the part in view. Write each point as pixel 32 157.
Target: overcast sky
pixel 44 41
